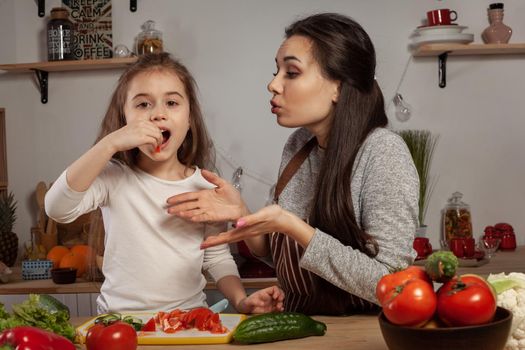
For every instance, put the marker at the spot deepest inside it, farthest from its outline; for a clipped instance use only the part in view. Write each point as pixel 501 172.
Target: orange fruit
pixel 85 250
pixel 56 253
pixel 82 249
pixel 75 260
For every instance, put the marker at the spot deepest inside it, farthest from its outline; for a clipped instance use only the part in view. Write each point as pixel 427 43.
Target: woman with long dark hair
pixel 347 195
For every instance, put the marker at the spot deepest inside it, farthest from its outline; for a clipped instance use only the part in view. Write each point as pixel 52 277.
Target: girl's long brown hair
pixel 196 149
pixel 346 54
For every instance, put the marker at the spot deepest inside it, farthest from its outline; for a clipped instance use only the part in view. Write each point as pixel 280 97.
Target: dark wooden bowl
pixel 64 275
pixel 490 336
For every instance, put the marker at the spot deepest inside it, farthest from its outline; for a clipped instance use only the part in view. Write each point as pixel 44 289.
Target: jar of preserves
pixel 59 35
pixel 149 40
pixel 457 221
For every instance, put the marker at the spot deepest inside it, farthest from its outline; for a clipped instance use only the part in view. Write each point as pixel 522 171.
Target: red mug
pixel 469 247
pixel 441 17
pixel 457 246
pixel 422 246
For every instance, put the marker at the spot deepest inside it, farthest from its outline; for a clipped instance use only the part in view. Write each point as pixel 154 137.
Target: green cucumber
pixel 277 326
pixel 52 304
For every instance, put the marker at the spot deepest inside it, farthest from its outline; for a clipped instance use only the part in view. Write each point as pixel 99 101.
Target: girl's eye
pixel 142 105
pixel 292 75
pixel 172 103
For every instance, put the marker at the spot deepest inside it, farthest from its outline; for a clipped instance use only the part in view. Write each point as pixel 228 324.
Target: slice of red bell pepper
pixel 33 338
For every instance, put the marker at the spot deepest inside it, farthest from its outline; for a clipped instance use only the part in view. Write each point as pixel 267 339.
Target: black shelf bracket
pixel 42 77
pixel 133 5
pixel 41 8
pixel 442 69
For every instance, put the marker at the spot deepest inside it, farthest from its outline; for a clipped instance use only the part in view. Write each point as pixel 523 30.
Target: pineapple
pixel 8 239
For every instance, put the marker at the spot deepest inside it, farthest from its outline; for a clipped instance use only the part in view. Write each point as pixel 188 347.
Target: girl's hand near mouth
pixel 136 133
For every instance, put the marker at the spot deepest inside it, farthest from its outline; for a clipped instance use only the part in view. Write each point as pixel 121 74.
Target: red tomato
pixel 115 336
pixel 149 326
pixel 466 300
pixel 391 281
pixel 412 303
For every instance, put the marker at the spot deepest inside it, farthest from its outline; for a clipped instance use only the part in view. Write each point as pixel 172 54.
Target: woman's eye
pixel 142 105
pixel 291 74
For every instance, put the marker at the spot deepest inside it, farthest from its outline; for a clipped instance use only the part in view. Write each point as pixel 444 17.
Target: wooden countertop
pixel 358 332
pixel 17 285
pixel 502 262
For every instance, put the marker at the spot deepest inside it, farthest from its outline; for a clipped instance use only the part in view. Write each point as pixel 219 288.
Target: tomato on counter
pixel 117 335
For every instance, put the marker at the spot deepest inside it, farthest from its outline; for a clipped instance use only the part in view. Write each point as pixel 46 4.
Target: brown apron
pixel 305 291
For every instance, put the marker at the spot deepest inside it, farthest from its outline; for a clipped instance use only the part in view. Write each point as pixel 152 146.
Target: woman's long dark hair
pixel 346 54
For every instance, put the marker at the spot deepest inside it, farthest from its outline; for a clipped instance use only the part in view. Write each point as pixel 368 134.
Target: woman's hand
pixel 262 301
pixel 222 203
pixel 269 219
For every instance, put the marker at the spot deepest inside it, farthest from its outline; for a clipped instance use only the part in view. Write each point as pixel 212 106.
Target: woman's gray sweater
pixel 385 190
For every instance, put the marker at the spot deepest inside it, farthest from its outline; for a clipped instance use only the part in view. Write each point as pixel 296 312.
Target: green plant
pixel 421 144
pixel 8 239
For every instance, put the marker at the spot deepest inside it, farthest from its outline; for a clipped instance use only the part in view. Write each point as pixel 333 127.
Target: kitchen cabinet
pixel 42 69
pixel 81 296
pixel 3 152
pixel 443 50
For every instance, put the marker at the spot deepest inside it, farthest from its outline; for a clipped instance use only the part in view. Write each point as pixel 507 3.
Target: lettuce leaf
pixel 32 313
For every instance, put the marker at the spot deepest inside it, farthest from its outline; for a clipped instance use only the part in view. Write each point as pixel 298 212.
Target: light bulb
pixel 403 109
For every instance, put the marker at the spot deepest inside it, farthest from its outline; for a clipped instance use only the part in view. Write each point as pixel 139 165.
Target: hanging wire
pixel 390 101
pixel 235 165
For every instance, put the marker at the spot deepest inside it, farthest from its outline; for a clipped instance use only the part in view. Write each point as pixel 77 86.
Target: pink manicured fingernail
pixel 240 223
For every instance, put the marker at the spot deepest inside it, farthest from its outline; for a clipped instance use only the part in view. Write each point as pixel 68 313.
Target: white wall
pixel 230 45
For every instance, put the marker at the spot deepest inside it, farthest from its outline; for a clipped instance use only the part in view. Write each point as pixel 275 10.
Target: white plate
pixel 457 38
pixel 440 29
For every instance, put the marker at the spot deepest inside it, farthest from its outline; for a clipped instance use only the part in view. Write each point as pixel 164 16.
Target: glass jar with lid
pixel 149 40
pixel 59 35
pixel 457 220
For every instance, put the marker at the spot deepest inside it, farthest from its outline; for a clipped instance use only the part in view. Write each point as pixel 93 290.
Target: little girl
pixel 153 144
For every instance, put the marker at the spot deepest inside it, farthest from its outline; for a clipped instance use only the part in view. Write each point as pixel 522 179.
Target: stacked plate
pixel 441 34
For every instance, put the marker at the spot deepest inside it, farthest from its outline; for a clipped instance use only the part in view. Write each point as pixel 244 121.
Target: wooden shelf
pixel 63 66
pixel 468 49
pixel 42 69
pixel 443 50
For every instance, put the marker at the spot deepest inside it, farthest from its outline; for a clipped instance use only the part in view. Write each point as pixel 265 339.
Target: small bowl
pixel 64 275
pixel 492 335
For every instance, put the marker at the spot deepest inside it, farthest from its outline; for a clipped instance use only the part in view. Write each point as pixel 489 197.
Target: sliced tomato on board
pixel 197 318
pixel 149 326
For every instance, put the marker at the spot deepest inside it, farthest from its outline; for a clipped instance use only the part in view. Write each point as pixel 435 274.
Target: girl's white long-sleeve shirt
pixel 152 260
